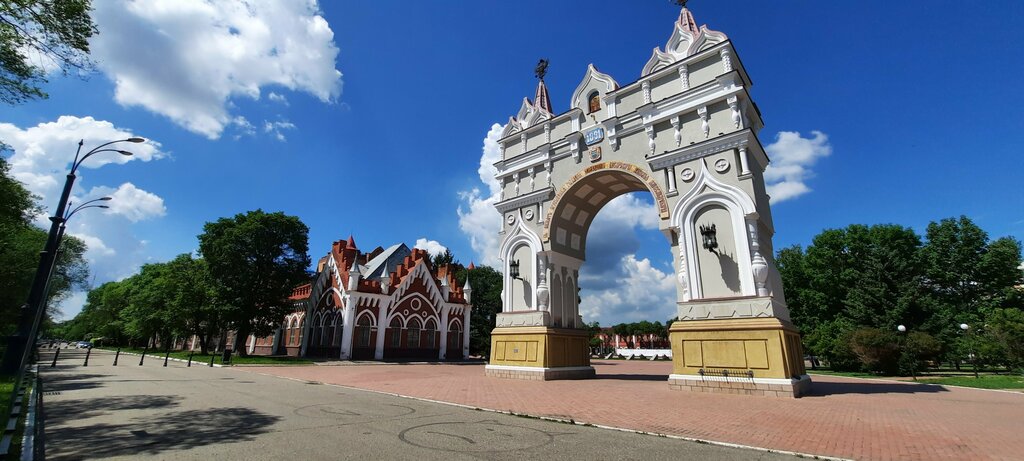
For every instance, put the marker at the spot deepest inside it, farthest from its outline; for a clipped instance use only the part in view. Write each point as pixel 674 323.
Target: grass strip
pixel 199 358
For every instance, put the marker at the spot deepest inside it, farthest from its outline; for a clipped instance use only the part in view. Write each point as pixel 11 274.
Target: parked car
pixel 84 345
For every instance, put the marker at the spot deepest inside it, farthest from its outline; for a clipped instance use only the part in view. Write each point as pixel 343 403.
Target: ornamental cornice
pixel 534 197
pixel 732 140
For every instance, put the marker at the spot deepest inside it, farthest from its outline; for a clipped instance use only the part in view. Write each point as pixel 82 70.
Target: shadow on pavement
pixel 70 382
pixel 630 377
pixel 821 389
pixel 158 434
pixel 61 411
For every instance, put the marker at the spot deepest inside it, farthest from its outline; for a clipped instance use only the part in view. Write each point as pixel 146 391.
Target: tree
pixel 442 259
pixel 967 276
pixel 34 31
pixel 195 305
pixel 486 300
pixel 20 244
pixel 257 258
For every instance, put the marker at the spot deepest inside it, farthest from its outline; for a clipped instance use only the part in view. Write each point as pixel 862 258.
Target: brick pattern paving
pixel 842 417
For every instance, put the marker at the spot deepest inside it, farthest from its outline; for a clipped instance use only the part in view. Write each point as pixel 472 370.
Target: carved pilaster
pixel 744 165
pixel 734 105
pixel 522 142
pixel 542 284
pixel 650 138
pixel 726 60
pixel 704 124
pixel 684 77
pixel 682 277
pixel 646 85
pixel 677 127
pixel 758 265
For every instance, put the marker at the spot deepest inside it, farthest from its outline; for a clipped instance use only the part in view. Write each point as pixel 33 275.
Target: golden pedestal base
pixel 540 353
pixel 758 356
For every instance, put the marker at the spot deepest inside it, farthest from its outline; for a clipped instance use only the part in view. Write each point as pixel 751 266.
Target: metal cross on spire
pixel 682 3
pixel 542 69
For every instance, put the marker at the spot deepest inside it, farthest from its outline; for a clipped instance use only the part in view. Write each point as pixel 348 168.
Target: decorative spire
pixel 686 20
pixel 351 241
pixel 473 266
pixel 542 100
pixel 355 262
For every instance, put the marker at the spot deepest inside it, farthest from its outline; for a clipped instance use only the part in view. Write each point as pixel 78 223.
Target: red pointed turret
pixel 351 241
pixel 471 266
pixel 687 22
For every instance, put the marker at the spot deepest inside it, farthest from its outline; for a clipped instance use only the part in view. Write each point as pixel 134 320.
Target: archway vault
pixel 584 194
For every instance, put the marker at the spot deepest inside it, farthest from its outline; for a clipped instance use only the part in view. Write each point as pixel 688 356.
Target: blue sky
pixel 370 118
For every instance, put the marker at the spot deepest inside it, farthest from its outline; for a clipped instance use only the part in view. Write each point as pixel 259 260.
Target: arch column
pixel 382 325
pixel 347 329
pixel 442 354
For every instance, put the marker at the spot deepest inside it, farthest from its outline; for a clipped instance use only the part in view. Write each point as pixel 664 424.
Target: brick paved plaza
pixel 842 417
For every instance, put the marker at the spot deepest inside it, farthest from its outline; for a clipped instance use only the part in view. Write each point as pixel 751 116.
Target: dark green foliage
pixel 486 300
pixel 20 245
pixel 257 258
pixel 56 30
pixel 851 287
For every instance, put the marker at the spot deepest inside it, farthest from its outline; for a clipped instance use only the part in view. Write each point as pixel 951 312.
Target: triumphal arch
pixel 686 132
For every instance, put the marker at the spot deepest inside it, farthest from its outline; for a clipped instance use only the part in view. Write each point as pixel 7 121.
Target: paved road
pixel 133 412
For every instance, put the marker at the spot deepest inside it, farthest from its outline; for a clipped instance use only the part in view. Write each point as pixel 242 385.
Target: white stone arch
pixel 708 191
pixel 367 313
pixel 517 237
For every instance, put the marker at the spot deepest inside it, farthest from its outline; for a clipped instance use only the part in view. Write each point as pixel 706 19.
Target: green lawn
pixel 198 358
pixel 982 382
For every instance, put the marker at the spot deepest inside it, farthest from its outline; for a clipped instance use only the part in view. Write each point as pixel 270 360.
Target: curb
pixel 1020 392
pixel 569 421
pixel 205 364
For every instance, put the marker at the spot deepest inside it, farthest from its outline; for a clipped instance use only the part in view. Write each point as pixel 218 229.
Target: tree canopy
pixel 257 258
pixel 37 34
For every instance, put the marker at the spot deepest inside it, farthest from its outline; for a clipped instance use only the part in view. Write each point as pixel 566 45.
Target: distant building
pixel 387 304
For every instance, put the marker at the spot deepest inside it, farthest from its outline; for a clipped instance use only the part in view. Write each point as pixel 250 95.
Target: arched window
pixel 413 341
pixel 429 333
pixel 454 335
pixel 298 331
pixel 396 332
pixel 339 322
pixel 595 102
pixel 363 327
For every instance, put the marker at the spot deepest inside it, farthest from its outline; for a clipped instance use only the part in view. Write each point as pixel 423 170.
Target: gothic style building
pixel 386 304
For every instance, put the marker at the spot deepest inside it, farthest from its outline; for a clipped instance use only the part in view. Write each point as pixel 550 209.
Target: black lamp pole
pixel 20 343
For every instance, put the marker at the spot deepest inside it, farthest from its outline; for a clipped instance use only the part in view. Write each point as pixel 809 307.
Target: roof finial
pixel 682 3
pixel 542 69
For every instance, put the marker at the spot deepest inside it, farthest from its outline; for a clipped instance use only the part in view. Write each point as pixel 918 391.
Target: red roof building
pixel 386 304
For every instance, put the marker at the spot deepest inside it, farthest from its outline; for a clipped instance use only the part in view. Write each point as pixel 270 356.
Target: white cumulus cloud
pixel 640 292
pixel 42 156
pixel 277 128
pixel 792 157
pixel 186 59
pixel 478 219
pixel 432 246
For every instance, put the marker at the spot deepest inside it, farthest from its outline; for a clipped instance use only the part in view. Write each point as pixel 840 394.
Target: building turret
pixel 353 273
pixel 445 288
pixel 467 290
pixel 385 282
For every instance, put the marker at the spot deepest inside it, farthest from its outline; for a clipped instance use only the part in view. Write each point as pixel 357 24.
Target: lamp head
pixel 106 199
pixel 513 268
pixel 124 153
pixel 135 139
pixel 902 329
pixel 710 239
pixel 964 326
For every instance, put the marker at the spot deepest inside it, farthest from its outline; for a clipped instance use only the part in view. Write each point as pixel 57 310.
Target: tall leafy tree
pixel 195 304
pixel 966 275
pixel 257 258
pixel 34 31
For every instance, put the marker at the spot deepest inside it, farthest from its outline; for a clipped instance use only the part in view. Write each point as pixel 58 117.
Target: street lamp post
pixel 970 344
pixel 20 343
pixel 902 346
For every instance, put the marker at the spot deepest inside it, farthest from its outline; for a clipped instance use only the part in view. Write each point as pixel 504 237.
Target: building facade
pixel 385 304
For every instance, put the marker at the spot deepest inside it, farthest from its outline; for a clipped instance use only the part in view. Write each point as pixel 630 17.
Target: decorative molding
pixel 677 126
pixel 610 85
pixel 687 174
pixel 703 149
pixel 721 165
pixel 536 196
pixel 647 91
pixel 734 105
pixel 726 55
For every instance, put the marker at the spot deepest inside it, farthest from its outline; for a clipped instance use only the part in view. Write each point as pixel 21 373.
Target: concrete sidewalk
pixel 843 417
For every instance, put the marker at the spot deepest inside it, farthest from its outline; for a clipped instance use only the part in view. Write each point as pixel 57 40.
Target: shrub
pixel 876 349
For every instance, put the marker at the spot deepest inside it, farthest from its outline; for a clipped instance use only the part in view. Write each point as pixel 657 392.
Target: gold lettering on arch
pixel 652 186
